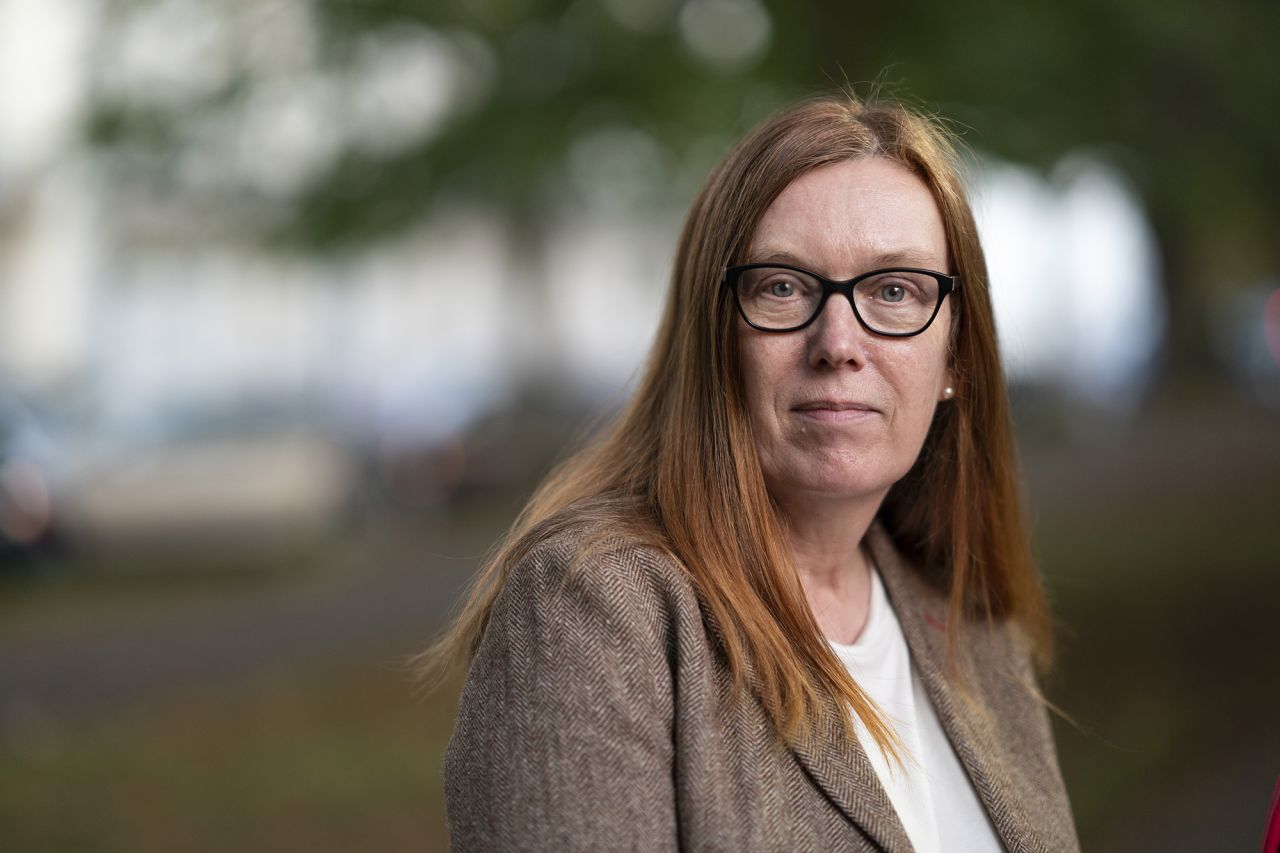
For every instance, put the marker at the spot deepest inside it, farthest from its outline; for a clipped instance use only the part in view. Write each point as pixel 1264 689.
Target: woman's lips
pixel 834 411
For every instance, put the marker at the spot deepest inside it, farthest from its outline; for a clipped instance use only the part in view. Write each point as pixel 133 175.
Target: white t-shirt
pixel 934 798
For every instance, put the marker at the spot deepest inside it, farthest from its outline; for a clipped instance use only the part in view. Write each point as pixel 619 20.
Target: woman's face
pixel 839 412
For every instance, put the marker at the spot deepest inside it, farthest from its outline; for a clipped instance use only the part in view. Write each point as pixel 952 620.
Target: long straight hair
pixel 678 466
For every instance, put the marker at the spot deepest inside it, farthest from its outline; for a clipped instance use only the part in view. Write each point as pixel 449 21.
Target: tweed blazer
pixel 599 714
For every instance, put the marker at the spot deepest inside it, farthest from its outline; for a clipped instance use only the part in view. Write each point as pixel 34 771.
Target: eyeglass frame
pixel 946 284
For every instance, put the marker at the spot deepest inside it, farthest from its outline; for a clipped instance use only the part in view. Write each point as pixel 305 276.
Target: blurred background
pixel 299 299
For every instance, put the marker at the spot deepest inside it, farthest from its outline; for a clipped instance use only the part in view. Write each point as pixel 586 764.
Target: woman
pixel 786 601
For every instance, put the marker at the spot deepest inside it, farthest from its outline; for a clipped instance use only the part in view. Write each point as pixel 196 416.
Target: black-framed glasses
pixel 897 302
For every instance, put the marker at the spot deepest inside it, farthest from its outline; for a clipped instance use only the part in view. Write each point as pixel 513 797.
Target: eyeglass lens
pixel 893 301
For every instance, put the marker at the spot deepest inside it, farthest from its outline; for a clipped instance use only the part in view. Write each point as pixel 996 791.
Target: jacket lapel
pixel 840 768
pixel 922 612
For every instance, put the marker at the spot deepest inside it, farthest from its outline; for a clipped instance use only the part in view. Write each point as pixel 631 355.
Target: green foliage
pixel 1179 94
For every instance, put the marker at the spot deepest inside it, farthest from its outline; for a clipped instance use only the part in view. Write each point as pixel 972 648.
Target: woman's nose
pixel 836 337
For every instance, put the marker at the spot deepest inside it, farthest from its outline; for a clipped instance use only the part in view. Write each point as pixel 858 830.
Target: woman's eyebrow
pixel 770 256
pixel 906 258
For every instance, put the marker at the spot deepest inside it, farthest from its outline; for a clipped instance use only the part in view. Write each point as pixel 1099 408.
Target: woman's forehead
pixel 851 216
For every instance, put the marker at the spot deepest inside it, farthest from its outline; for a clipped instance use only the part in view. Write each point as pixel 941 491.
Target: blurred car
pixel 29 518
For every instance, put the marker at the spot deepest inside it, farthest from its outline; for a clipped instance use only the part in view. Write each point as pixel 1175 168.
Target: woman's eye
pixel 782 288
pixel 893 293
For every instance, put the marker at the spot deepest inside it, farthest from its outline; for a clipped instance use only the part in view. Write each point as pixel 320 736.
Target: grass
pixel 324 761
pixel 1161 564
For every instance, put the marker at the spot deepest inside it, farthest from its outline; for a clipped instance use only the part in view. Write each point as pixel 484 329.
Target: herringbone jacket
pixel 599 715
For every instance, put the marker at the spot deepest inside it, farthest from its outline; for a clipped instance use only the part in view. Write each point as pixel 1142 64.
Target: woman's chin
pixel 834 485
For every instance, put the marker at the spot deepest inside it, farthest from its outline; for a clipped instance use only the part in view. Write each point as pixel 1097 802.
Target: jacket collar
pixel 839 767
pixel 922 613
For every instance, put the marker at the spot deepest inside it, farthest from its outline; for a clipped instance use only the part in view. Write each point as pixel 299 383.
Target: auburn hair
pixel 678 466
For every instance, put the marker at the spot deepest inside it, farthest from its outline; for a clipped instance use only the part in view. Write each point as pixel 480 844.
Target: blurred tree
pixel 1177 93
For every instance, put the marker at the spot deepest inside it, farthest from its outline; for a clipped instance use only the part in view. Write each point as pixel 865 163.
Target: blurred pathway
pixel 377 598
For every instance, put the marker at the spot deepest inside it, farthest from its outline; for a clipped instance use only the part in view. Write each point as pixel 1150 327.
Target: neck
pixel 825 536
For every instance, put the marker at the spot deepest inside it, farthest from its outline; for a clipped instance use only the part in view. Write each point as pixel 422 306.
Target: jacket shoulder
pixel 619 574
pixel 563 739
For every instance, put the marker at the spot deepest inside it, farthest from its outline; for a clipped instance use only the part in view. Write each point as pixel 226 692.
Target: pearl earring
pixel 948 393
